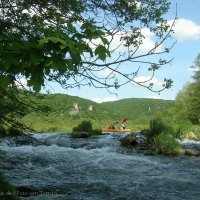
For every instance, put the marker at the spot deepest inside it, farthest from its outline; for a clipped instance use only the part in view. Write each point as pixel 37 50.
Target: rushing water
pixel 58 167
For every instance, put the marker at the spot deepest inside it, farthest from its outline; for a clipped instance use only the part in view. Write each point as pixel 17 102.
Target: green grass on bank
pixel 162 135
pixel 66 125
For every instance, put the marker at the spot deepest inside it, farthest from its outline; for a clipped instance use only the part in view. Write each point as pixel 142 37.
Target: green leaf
pixel 71 27
pixel 5 81
pixel 104 40
pixel 36 58
pixel 55 40
pixel 9 60
pixel 36 80
pixel 86 25
pixel 57 61
pixel 101 52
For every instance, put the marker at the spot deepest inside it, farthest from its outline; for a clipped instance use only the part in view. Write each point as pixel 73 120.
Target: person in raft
pixel 122 126
pixel 112 126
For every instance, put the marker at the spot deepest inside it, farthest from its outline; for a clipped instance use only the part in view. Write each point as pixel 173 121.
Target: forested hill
pixel 136 107
pixel 67 111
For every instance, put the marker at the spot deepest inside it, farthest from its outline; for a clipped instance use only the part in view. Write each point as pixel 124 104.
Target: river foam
pixel 57 166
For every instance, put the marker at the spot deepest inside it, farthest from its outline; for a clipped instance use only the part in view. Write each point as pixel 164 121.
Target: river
pixel 56 166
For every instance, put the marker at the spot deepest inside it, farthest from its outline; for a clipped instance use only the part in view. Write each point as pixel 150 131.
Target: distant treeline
pixel 67 111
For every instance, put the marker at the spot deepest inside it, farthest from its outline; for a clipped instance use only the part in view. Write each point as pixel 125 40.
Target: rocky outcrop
pixel 129 140
pixel 191 136
pixel 136 142
pixel 80 134
pixel 192 152
pixel 133 140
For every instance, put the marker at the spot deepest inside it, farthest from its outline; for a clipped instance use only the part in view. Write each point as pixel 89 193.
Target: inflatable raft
pixel 107 130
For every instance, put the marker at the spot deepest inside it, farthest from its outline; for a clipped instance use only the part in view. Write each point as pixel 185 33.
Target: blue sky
pixel 187 34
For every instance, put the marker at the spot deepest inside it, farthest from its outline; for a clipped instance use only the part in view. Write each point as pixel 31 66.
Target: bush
pixel 183 129
pixel 96 132
pixel 10 132
pixel 161 137
pixel 84 126
pixel 2 131
pixel 14 132
pixel 7 191
pixel 166 144
pixel 157 126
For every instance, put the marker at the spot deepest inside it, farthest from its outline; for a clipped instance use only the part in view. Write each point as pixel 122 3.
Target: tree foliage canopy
pixel 188 100
pixel 72 41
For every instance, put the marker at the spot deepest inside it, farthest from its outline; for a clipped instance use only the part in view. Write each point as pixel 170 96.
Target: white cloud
pixel 104 99
pixel 145 80
pixel 146 32
pixel 147 42
pixel 154 97
pixel 185 29
pixel 21 82
pixel 190 69
pixel 118 45
pixel 147 45
pixel 106 72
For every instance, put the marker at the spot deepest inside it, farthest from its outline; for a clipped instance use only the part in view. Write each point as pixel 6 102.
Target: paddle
pixel 124 120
